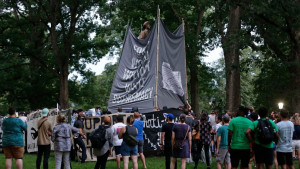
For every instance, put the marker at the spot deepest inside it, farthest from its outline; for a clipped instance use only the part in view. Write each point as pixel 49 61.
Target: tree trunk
pixel 64 89
pixel 231 53
pixel 295 71
pixel 194 89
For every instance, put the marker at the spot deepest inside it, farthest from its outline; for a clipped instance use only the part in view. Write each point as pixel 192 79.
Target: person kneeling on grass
pixel 12 140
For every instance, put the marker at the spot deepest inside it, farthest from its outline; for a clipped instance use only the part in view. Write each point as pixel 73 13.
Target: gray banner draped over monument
pixel 137 80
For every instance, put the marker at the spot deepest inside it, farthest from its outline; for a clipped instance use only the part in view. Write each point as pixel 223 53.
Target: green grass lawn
pixel 152 163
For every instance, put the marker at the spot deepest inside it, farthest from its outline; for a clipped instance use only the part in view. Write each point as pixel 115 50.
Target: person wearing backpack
pixel 284 146
pixel 102 142
pixel 266 132
pixel 129 144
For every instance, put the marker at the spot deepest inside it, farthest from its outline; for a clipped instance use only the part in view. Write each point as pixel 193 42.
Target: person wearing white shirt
pixel 116 141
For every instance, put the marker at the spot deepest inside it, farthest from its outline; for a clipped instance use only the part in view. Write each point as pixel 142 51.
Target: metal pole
pixel 157 57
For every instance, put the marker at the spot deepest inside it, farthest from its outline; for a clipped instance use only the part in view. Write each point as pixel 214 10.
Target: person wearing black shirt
pixel 166 136
pixel 79 136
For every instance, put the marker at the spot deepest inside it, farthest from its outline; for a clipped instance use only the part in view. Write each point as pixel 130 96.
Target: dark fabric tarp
pixel 135 80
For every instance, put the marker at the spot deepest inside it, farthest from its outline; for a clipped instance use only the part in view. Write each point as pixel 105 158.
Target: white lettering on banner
pixel 144 67
pixel 127 98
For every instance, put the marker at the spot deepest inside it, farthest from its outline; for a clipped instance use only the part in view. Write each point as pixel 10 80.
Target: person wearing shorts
pixel 264 153
pixel 12 139
pixel 139 124
pixel 239 139
pixel 222 153
pixel 296 137
pixel 284 146
pixel 116 141
pixel 127 150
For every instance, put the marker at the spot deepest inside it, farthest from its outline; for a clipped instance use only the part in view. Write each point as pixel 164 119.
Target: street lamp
pixel 280 105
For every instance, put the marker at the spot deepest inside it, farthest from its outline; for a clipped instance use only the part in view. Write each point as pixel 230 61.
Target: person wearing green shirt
pixel 263 152
pixel 222 153
pixel 12 139
pixel 239 140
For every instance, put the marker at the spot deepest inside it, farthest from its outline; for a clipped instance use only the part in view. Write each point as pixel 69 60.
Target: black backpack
pixel 98 137
pixel 265 132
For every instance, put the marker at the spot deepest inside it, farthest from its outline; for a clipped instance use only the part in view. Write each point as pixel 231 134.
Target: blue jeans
pixel 127 150
pixel 81 144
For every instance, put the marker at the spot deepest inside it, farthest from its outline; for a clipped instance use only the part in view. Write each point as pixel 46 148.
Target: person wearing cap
pixel 43 139
pixel 103 153
pixel 239 139
pixel 139 124
pixel 166 137
pixel 12 139
pixel 222 153
pixel 80 135
pixel 145 31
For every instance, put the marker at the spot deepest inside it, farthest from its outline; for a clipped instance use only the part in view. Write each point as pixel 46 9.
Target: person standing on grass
pixel 181 133
pixel 43 141
pixel 61 137
pixel 239 140
pixel 263 151
pixel 222 153
pixel 126 149
pixel 139 124
pixel 205 139
pixel 12 139
pixel 296 137
pixel 284 146
pixel 166 137
pixel 78 137
pixel 103 153
pixel 116 141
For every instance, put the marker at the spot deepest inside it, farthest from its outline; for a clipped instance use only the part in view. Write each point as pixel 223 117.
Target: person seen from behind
pixel 116 141
pixel 284 147
pixel 103 153
pixel 43 139
pixel 296 137
pixel 222 153
pixel 61 137
pixel 181 134
pixel 166 138
pixel 239 140
pixel 139 124
pixel 126 149
pixel 205 139
pixel 266 132
pixel 12 139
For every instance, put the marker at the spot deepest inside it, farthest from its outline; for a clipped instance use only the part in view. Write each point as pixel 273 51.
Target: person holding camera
pixel 181 142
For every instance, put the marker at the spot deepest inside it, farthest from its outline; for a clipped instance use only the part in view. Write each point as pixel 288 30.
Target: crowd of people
pixel 234 138
pixel 242 137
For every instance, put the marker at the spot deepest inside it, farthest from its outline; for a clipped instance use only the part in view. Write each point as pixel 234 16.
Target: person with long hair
pixel 105 151
pixel 181 134
pixel 12 139
pixel 126 149
pixel 205 139
pixel 61 137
